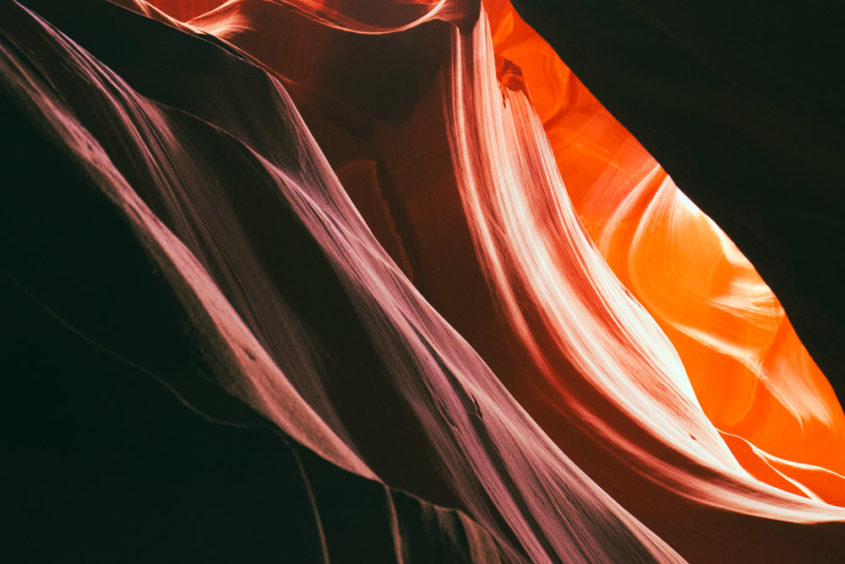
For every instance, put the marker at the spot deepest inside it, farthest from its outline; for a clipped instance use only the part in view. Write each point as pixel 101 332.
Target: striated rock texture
pixel 367 282
pixel 739 103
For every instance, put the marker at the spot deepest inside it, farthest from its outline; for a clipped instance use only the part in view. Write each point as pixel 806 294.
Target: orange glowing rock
pixel 414 245
pixel 749 371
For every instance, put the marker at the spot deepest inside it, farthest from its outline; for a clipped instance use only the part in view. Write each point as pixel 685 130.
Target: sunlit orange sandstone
pixel 750 373
pixel 753 377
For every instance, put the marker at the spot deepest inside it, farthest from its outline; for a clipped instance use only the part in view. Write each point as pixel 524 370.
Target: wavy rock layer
pixel 751 374
pixel 341 236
